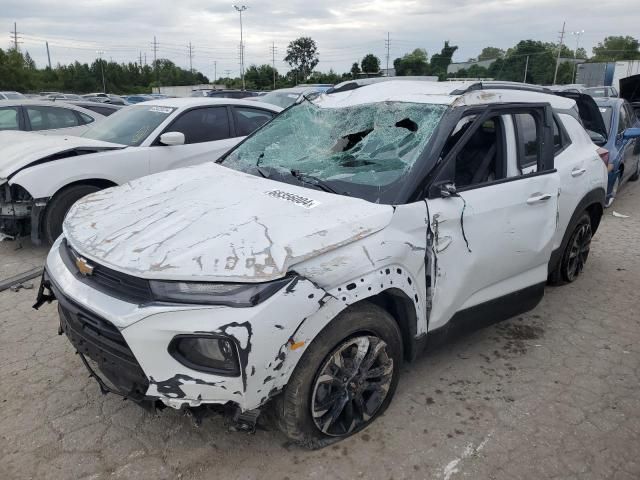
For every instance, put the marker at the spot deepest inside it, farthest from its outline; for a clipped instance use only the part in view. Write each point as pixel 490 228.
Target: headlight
pixel 230 294
pixel 212 353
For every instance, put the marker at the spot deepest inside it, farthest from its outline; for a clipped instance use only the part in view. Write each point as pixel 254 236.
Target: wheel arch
pixel 593 204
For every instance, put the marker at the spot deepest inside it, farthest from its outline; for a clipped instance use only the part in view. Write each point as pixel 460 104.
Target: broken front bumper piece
pixel 131 348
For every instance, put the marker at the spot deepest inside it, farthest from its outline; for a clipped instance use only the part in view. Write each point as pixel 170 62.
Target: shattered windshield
pixel 368 145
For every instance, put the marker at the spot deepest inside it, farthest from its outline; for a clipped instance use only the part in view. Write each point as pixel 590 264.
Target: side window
pixel 481 158
pixel 85 118
pixel 202 125
pixel 250 119
pixel 557 137
pixel 623 120
pixel 9 118
pixel 47 118
pixel 527 137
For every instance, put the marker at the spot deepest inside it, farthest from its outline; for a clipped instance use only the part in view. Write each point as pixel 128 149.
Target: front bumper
pixel 129 342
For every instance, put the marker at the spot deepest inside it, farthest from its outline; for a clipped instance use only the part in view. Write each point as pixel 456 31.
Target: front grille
pixel 103 343
pixel 117 284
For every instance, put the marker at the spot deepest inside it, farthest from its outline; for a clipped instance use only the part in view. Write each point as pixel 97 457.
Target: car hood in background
pixel 211 223
pixel 19 150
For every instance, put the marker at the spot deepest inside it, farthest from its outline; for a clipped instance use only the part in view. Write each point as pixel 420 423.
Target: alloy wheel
pixel 579 252
pixel 351 385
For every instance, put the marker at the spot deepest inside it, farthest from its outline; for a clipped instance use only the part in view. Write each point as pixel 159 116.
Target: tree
pixel 370 63
pixel 355 70
pixel 616 48
pixel 440 61
pixel 260 77
pixel 302 56
pixel 414 63
pixel 490 53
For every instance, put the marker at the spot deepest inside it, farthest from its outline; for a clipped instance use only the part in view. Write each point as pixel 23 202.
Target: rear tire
pixel 575 253
pixel 636 175
pixel 344 380
pixel 58 208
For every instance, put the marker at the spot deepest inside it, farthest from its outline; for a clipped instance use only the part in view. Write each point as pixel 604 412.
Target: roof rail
pixel 361 82
pixel 495 85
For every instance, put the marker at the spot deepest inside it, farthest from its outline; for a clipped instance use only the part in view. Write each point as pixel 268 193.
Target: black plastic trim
pixel 173 351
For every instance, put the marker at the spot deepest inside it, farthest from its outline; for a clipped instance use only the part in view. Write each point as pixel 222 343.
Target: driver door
pixel 493 232
pixel 207 132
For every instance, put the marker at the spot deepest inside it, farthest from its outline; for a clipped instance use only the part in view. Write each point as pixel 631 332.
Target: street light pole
pixel 578 34
pixel 240 9
pixel 104 85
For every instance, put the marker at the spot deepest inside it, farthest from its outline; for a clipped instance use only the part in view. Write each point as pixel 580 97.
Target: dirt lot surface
pixel 554 394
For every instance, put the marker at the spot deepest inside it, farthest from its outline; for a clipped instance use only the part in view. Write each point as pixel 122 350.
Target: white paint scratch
pixel 452 466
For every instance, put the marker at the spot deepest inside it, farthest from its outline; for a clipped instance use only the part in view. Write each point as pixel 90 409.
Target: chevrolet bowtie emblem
pixel 84 267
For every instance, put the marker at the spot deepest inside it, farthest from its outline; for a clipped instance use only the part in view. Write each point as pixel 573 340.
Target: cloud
pixel 344 31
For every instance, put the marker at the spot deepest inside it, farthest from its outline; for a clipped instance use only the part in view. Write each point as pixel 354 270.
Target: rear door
pixel 492 239
pixel 53 120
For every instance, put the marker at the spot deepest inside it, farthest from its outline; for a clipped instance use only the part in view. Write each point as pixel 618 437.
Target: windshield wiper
pixel 311 180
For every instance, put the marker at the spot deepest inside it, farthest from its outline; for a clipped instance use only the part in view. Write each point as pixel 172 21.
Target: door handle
pixel 576 172
pixel 538 198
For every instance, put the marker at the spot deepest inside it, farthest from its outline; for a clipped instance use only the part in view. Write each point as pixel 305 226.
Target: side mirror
pixel 630 133
pixel 597 138
pixel 442 190
pixel 172 138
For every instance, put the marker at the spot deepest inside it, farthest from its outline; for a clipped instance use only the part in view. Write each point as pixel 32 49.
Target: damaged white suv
pixel 301 269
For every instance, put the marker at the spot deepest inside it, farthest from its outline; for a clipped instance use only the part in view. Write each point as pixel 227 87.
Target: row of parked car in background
pixel 312 246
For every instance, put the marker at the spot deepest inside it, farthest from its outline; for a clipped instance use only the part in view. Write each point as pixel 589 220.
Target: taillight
pixel 604 155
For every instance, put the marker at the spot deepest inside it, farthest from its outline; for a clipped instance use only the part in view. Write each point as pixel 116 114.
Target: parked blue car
pixel 623 128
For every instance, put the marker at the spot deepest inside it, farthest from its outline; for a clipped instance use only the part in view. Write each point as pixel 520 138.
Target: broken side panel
pixel 491 241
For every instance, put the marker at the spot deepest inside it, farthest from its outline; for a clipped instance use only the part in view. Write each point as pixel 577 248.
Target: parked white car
pixel 41 177
pixel 45 117
pixel 301 269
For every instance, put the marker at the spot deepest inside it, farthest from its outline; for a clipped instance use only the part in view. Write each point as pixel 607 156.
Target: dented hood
pixel 212 223
pixel 18 150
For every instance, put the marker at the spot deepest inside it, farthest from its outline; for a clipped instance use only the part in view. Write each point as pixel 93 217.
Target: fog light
pixel 212 354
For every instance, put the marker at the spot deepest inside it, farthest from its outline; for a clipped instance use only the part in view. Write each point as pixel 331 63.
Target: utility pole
pixel 14 35
pixel 155 61
pixel 240 9
pixel 215 71
pixel 387 44
pixel 190 57
pixel 227 73
pixel 140 60
pixel 274 49
pixel 555 75
pixel 577 34
pixel 526 67
pixel 48 56
pixel 104 85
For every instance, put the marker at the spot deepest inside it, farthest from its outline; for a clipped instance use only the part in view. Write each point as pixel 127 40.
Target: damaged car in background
pixel 298 272
pixel 42 176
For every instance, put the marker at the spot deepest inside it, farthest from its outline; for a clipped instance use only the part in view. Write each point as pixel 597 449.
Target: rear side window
pixel 9 118
pixel 527 139
pixel 623 120
pixel 85 118
pixel 250 119
pixel 202 125
pixel 101 110
pixel 48 118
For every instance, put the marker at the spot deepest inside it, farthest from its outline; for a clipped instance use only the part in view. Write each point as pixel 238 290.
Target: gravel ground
pixel 554 393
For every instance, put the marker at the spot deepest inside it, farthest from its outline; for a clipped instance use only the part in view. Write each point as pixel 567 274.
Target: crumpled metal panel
pixel 212 223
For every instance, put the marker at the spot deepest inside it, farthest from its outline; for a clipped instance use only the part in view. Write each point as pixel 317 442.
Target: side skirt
pixel 486 314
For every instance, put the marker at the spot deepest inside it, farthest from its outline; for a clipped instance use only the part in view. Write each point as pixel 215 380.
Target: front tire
pixel 345 379
pixel 58 208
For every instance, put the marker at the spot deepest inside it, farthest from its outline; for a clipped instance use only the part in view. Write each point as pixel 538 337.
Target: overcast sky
pixel 344 30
